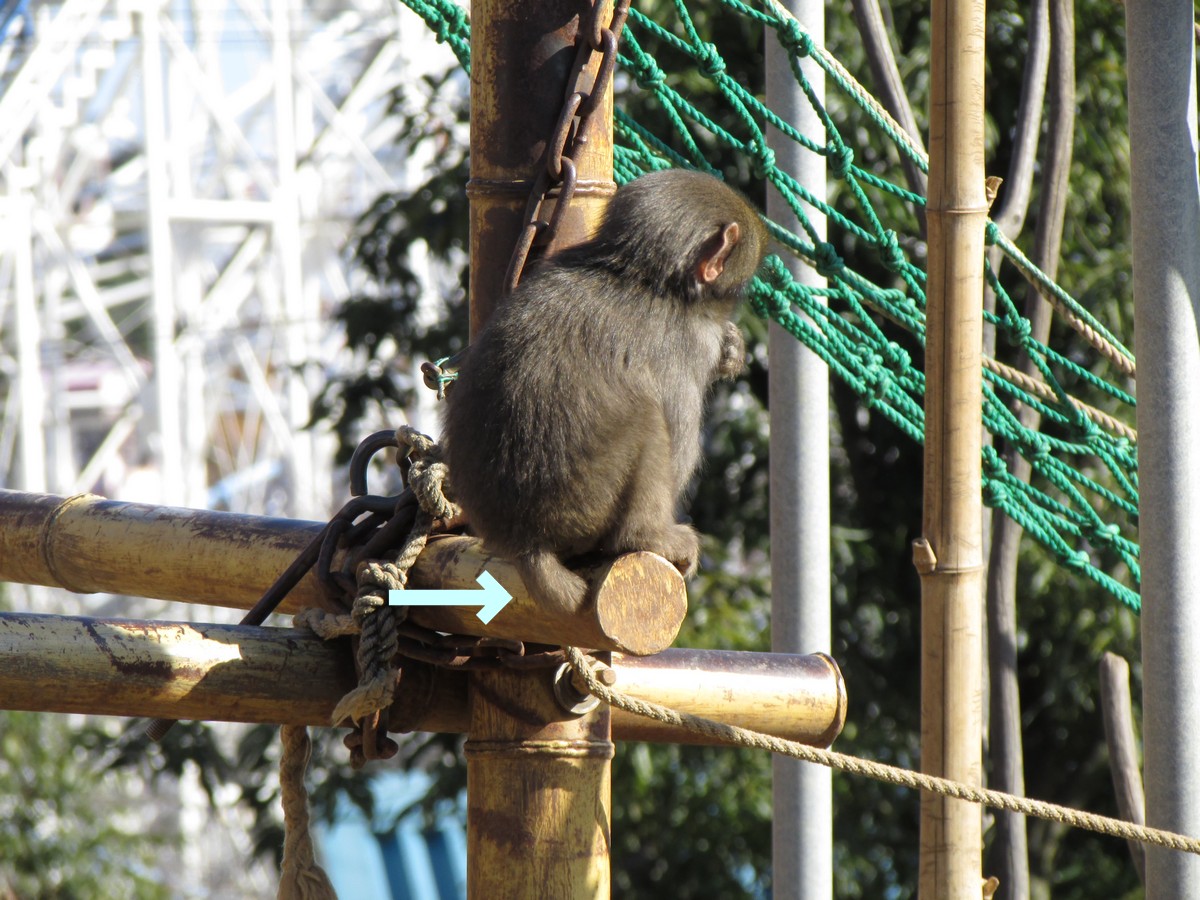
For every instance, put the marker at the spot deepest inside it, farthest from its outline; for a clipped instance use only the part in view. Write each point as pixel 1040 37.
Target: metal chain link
pixel 580 104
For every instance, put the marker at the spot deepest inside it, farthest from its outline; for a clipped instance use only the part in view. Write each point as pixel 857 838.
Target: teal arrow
pixel 492 598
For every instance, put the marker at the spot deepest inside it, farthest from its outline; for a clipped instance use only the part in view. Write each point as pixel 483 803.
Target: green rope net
pixel 1080 501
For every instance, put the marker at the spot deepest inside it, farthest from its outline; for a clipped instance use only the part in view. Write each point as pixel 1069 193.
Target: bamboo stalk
pixel 950 554
pixel 538 781
pixel 86 543
pixel 240 673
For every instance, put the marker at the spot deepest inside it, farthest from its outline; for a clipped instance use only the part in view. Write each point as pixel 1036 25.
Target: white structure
pixel 177 184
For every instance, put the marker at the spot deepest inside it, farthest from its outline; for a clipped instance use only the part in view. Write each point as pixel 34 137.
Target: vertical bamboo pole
pixel 538 779
pixel 802 830
pixel 950 555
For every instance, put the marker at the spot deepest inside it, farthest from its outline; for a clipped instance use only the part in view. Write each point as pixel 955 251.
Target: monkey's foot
pixel 681 547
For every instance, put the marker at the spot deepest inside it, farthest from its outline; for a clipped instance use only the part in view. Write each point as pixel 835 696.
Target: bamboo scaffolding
pixel 241 673
pixel 87 544
pixel 950 554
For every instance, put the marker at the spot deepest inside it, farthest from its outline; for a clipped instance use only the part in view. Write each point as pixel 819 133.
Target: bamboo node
pixel 924 559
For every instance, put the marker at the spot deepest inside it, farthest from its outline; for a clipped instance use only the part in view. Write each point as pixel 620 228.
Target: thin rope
pixel 744 737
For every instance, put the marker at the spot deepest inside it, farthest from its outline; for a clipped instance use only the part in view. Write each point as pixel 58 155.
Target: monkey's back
pixel 577 381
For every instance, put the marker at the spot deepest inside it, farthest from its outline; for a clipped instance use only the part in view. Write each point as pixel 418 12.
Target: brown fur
pixel 574 426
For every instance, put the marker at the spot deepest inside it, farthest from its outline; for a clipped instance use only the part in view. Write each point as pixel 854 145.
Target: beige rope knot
pixel 428 475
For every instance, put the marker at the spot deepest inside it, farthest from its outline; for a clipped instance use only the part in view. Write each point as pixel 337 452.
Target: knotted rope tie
pixel 372 618
pixel 375 622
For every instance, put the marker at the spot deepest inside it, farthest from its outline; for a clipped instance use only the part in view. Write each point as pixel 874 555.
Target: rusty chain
pixel 580 103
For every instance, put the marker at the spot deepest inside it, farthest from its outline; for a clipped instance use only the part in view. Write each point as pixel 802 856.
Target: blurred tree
pixel 65 832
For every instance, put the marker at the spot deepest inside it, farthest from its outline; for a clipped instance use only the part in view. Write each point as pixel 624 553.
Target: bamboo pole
pixel 949 555
pixel 538 781
pixel 241 673
pixel 86 543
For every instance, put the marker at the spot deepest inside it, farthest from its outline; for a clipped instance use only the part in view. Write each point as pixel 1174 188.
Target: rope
pixel 301 878
pixel 371 618
pixel 375 622
pixel 732 734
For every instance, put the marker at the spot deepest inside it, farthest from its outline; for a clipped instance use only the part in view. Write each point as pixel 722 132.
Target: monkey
pixel 574 426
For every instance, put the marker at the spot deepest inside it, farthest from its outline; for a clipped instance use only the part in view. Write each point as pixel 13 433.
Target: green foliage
pixel 67 828
pixel 406 309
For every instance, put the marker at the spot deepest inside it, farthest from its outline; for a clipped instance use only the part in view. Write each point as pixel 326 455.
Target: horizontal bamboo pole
pixel 238 673
pixel 86 543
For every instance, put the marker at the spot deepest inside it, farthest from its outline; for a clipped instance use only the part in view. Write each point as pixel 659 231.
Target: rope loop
pixel 710 61
pixel 841 158
pixel 794 39
pixel 829 264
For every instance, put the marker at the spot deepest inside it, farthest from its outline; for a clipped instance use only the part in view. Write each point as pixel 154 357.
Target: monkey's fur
pixel 574 426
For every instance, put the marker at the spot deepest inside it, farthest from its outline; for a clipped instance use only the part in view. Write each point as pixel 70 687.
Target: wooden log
pixel 1117 708
pixel 238 673
pixel 86 543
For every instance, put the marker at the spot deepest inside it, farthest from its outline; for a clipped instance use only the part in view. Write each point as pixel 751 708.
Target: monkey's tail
pixel 550 582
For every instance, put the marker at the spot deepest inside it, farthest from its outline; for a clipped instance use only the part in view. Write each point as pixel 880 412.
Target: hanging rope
pixel 301 878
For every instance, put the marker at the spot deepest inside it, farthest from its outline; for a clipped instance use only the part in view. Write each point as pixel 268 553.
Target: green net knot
pixel 829 264
pixel 897 357
pixel 647 73
pixel 1078 559
pixel 762 157
pixel 841 158
pixel 794 39
pixel 773 305
pixel 1017 329
pixel 1104 534
pixel 991 233
pixel 1040 451
pixel 995 494
pixel 709 60
pixel 890 252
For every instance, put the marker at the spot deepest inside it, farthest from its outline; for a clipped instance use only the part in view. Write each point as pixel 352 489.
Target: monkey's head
pixel 685 230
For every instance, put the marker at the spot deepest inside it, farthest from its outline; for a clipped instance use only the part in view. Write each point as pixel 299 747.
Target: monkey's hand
pixel 733 353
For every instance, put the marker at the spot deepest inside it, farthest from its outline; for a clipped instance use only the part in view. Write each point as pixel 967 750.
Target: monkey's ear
pixel 715 253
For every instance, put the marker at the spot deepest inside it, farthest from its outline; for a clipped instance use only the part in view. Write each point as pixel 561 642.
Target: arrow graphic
pixel 492 598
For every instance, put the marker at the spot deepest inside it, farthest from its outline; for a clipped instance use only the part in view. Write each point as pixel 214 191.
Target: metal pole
pixel 300 313
pixel 1166 282
pixel 167 376
pixel 29 335
pixel 802 845
pixel 949 555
